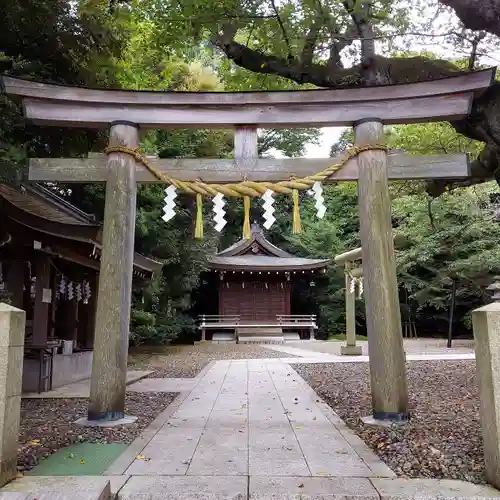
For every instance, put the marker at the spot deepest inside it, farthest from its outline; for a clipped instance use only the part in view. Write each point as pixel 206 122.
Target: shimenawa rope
pixel 245 189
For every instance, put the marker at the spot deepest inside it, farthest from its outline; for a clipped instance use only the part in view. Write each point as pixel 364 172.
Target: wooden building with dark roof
pixel 255 286
pixel 49 266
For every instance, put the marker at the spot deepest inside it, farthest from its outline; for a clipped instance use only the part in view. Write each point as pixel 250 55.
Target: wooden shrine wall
pixel 254 300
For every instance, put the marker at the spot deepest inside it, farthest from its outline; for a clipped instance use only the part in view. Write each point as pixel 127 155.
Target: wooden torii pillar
pixel 367 109
pixel 347 260
pixel 352 271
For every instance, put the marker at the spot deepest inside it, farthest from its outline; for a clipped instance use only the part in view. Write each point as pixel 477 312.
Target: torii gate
pixel 367 109
pixel 352 272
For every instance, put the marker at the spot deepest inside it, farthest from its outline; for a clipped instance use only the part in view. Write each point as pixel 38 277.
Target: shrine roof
pixel 39 209
pixel 42 202
pixel 265 263
pixel 258 253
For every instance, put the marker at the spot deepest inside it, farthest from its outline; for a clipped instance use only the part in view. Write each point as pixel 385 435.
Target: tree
pixel 457 236
pixel 334 43
pixel 53 41
pixel 162 312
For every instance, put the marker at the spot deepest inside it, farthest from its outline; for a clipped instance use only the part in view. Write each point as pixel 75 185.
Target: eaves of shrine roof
pixel 44 203
pixel 265 263
pixel 257 237
pixel 41 210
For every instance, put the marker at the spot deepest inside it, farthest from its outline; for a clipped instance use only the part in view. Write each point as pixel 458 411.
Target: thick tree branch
pixel 477 14
pixel 294 69
pixel 483 123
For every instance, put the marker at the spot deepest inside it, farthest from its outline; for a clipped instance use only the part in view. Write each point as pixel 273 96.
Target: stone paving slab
pixel 423 489
pixel 411 346
pixel 61 488
pixel 311 488
pixel 171 450
pixel 325 449
pixel 223 446
pixel 163 385
pixel 273 446
pixel 82 389
pixel 185 487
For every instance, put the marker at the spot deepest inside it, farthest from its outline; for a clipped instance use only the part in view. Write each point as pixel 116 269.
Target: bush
pixel 146 328
pixel 142 318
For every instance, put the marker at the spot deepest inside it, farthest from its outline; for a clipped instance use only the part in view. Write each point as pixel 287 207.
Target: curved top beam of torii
pixel 442 99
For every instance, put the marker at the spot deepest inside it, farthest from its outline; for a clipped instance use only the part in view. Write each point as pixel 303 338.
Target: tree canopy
pixel 218 45
pixel 343 43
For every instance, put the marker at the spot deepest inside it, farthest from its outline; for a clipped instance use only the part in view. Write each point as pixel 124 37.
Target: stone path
pixel 244 418
pixel 253 418
pixel 329 352
pixel 254 429
pixel 81 389
pixel 245 430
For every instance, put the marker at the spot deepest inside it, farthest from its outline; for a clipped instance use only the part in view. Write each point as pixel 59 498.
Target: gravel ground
pixel 187 361
pixel 443 439
pixel 47 424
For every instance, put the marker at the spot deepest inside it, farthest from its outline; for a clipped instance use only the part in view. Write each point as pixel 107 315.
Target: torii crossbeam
pixel 367 109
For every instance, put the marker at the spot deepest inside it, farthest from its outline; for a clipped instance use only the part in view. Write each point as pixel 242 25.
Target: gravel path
pixel 443 439
pixel 187 361
pixel 47 424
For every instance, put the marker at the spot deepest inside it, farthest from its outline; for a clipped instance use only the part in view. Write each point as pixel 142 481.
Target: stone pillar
pixel 383 316
pixel 350 349
pixel 311 333
pixel 12 325
pixel 203 335
pixel 486 323
pixel 109 368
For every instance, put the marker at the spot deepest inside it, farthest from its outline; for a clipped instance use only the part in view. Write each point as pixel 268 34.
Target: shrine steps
pixel 261 340
pixel 223 338
pixel 259 335
pixel 255 335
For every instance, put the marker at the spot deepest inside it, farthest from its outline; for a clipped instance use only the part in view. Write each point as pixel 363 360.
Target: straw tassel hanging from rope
pixel 198 230
pixel 247 232
pixel 296 222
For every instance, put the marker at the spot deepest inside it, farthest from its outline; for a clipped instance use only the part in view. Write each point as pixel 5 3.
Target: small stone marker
pixel 12 325
pixel 486 323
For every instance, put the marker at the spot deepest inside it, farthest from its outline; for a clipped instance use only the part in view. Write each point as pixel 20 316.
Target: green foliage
pixel 54 41
pixel 431 138
pixel 145 328
pixel 455 235
pixel 323 239
pixel 164 45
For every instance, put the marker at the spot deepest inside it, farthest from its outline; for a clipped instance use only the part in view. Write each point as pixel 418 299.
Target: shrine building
pixel 50 254
pixel 255 283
